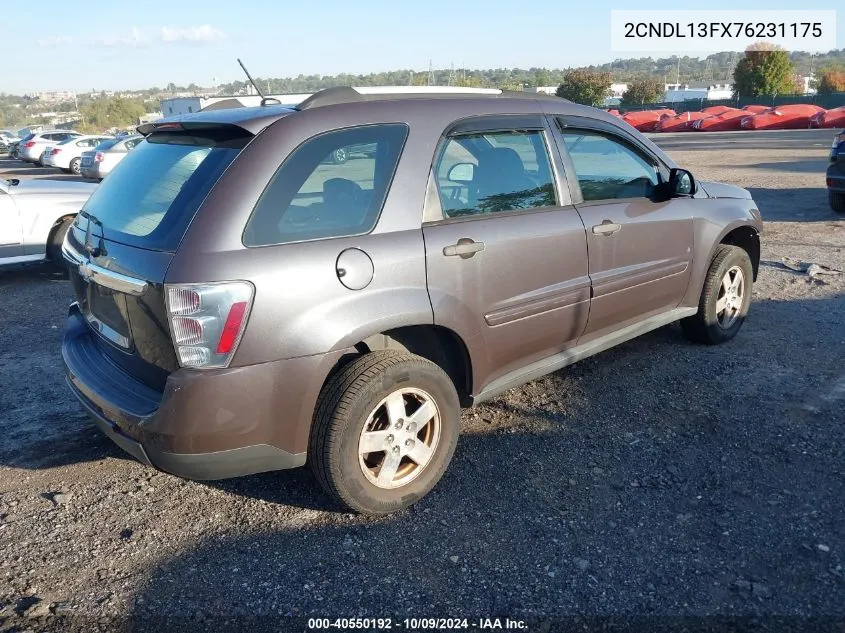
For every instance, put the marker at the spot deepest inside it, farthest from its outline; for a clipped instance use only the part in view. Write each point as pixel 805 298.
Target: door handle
pixel 607 228
pixel 465 248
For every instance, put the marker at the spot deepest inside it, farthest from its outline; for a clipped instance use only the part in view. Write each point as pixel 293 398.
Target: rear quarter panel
pixel 39 212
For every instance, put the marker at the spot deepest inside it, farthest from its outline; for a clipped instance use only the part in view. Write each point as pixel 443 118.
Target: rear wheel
pixel 837 201
pixel 384 432
pixel 725 298
pixel 76 166
pixel 340 155
pixel 54 246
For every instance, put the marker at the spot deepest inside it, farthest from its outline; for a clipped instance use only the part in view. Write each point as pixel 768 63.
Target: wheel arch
pixel 439 344
pixel 55 227
pixel 747 238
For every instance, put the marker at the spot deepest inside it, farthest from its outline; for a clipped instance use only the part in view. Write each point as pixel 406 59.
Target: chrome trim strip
pixel 111 279
pixel 71 254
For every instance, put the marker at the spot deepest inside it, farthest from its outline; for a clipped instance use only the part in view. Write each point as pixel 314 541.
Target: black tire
pixel 705 326
pixel 75 166
pixel 343 408
pixel 54 246
pixel 837 201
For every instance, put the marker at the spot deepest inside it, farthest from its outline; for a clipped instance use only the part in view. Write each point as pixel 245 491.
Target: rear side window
pixel 493 172
pixel 333 185
pixel 152 195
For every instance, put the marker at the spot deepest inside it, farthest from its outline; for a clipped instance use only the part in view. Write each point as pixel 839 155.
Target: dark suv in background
pixel 246 303
pixel 836 174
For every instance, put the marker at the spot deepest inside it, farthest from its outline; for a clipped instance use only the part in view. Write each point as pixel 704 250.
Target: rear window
pixel 333 185
pixel 151 196
pixel 107 144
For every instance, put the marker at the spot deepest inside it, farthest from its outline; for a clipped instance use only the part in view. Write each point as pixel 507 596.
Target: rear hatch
pixel 122 242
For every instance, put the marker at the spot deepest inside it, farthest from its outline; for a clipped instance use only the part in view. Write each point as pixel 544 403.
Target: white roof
pixel 385 90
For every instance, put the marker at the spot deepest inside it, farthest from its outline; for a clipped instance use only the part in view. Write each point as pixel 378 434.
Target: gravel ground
pixel 659 479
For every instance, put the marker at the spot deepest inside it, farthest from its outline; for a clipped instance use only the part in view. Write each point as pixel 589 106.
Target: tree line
pixel 763 70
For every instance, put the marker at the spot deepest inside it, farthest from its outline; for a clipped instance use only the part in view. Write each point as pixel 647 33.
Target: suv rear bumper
pixel 207 424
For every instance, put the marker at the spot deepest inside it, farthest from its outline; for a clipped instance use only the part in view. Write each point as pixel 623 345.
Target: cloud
pixel 136 38
pixel 54 41
pixel 194 34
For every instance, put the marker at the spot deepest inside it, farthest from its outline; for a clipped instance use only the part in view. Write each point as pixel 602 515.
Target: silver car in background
pixel 67 155
pixel 7 138
pixel 32 147
pixel 99 162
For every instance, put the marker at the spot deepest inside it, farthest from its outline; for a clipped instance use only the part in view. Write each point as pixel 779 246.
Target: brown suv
pixel 246 304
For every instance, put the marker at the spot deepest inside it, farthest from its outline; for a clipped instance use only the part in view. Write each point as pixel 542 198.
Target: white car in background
pixel 67 155
pixel 31 148
pixel 35 216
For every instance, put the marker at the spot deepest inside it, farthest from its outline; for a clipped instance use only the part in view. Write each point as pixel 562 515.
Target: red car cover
pixel 816 119
pixel 833 118
pixel 786 117
pixel 714 110
pixel 680 122
pixel 721 122
pixel 755 109
pixel 647 120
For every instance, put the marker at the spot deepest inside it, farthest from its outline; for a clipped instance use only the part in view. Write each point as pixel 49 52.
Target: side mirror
pixel 462 172
pixel 681 183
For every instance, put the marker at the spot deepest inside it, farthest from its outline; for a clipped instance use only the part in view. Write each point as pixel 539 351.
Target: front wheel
pixel 725 298
pixel 75 166
pixel 384 431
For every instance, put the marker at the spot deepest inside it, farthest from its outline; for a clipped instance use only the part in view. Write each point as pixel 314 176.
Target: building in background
pixel 697 91
pixel 189 105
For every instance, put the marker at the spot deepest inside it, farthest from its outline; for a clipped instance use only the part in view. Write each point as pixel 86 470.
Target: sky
pixel 123 45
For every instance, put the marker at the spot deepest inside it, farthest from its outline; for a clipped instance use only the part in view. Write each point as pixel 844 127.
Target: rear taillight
pixel 98 157
pixel 29 144
pixel 208 320
pixel 55 151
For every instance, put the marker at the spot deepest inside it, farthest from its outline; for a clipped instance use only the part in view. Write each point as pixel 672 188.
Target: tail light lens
pixel 29 144
pixel 207 321
pixel 98 157
pixel 55 151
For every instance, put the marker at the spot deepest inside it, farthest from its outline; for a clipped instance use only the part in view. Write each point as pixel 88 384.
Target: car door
pixel 640 249
pixel 11 230
pixel 506 253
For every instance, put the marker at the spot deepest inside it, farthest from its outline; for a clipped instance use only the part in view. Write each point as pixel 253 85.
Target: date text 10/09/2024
pixel 723 29
pixel 418 624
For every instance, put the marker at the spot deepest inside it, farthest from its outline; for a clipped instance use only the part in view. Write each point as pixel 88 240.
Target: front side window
pixel 607 168
pixel 492 172
pixel 333 185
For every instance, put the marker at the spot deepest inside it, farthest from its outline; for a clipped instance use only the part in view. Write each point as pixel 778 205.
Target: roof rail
pixel 348 94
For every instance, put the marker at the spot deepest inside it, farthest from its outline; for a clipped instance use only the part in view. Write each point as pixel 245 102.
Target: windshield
pixel 152 195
